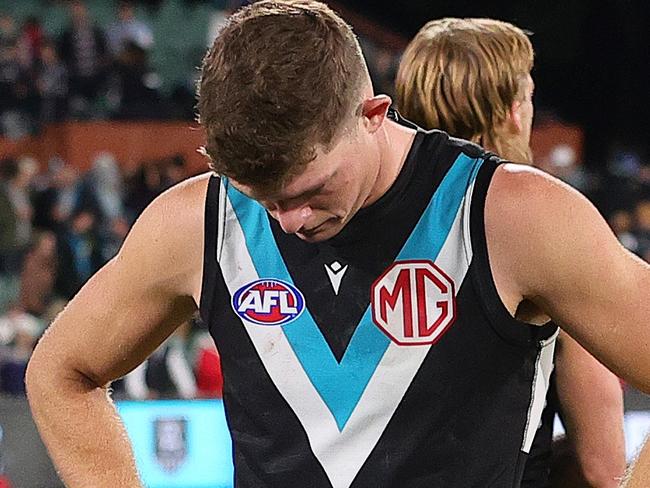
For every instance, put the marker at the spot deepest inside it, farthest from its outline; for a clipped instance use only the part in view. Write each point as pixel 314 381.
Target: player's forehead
pixel 311 177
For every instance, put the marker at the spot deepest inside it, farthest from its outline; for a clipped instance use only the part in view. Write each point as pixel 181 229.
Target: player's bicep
pixel 134 302
pixel 580 275
pixel 112 325
pixel 593 287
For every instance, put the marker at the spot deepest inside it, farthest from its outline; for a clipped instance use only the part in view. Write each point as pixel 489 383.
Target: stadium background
pixel 91 131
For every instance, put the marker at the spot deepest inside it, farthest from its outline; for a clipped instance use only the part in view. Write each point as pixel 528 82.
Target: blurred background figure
pixel 14 83
pixel 30 41
pixel 4 481
pixel 207 368
pixel 167 373
pixel 83 50
pixel 134 85
pixel 38 274
pixel 105 186
pixel 19 332
pixel 79 252
pixel 17 213
pixel 51 78
pixel 642 228
pixel 128 29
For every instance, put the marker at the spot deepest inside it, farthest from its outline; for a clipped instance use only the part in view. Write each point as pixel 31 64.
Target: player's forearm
pixel 592 405
pixel 81 429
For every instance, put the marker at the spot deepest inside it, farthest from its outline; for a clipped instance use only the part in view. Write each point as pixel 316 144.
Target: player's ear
pixel 514 122
pixel 374 110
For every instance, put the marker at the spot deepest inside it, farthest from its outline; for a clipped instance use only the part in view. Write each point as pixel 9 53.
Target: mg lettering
pixel 413 302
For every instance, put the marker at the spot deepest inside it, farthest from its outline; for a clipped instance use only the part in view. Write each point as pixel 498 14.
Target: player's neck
pixel 396 142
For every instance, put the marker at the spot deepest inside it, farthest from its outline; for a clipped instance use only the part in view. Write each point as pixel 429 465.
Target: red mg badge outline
pixel 425 296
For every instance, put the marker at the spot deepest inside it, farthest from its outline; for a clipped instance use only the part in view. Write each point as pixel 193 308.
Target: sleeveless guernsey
pixel 382 357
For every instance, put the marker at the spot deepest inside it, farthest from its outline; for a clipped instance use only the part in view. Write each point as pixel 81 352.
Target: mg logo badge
pixel 413 302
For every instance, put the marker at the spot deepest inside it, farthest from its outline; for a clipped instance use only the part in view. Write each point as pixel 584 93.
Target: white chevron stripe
pixel 341 454
pixel 543 370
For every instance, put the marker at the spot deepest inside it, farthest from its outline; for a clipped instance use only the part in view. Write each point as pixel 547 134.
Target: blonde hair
pixel 462 76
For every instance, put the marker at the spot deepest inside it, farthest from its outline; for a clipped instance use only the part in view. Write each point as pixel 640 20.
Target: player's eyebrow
pixel 307 193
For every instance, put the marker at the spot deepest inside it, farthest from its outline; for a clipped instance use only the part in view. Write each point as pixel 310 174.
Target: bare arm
pixel 118 318
pixel 592 404
pixel 550 246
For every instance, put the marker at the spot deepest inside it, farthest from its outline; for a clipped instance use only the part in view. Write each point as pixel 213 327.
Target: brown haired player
pixel 340 259
pixel 471 78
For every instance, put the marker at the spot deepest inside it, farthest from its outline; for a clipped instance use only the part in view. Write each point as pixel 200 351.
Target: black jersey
pixel 382 357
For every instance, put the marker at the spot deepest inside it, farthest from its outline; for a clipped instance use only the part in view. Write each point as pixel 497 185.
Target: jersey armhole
pixel 210 263
pixel 504 324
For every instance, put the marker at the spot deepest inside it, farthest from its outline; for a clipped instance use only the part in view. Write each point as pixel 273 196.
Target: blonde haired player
pixel 472 79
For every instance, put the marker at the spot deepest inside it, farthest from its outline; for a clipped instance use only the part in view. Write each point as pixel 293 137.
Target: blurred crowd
pixel 92 71
pixel 57 228
pixel 87 71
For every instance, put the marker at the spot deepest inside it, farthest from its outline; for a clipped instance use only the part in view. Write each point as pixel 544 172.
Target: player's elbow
pixel 38 378
pixel 603 473
pixel 47 377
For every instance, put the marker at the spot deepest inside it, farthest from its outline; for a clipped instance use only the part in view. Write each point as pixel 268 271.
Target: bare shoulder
pixel 536 224
pixel 181 206
pixel 542 234
pixel 177 213
pixel 529 207
pixel 521 188
pixel 168 235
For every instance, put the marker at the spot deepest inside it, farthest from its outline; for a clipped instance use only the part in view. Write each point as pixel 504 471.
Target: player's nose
pixel 292 220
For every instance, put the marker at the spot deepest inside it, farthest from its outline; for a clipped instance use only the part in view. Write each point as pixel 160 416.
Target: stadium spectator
pixel 105 182
pixel 135 85
pixel 30 42
pixel 621 222
pixel 8 35
pixel 8 217
pixel 83 49
pixel 14 84
pixel 4 480
pixel 207 368
pixel 58 196
pixel 105 185
pixel 173 170
pixel 51 76
pixel 19 331
pixel 79 252
pixel 642 216
pixel 128 29
pixel 143 186
pixel 38 274
pixel 17 176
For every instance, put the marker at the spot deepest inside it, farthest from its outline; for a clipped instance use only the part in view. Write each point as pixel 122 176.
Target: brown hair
pixel 282 78
pixel 462 76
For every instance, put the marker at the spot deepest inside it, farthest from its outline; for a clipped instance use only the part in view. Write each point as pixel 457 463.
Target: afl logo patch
pixel 268 302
